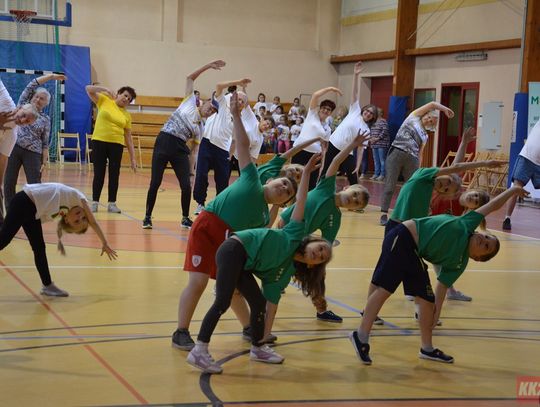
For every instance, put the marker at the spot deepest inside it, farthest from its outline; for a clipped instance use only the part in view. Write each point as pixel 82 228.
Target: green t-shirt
pixel 271 169
pixel 321 212
pixel 415 195
pixel 444 240
pixel 242 205
pixel 270 256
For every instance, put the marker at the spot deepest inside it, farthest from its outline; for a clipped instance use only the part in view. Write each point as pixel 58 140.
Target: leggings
pixel 22 212
pixel 31 163
pixel 230 259
pixel 347 166
pixel 169 149
pixel 302 158
pixel 102 152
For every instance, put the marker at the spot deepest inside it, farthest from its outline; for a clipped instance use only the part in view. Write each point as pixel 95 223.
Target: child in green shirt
pixel 274 256
pixel 323 213
pixel 446 240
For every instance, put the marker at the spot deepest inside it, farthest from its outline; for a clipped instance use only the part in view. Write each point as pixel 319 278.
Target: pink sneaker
pixel 201 359
pixel 265 354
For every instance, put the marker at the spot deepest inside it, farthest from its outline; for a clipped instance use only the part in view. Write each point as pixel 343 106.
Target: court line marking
pixel 86 346
pixel 361 269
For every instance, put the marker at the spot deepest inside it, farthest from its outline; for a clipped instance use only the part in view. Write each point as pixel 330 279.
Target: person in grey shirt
pixel 31 150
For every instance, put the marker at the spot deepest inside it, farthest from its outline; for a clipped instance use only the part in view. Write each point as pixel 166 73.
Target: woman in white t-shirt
pixel 351 126
pixel 315 126
pixel 38 203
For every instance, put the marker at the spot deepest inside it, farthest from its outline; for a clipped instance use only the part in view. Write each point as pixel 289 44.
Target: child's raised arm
pixel 312 165
pixel 105 248
pixel 297 148
pixel 499 201
pixel 240 137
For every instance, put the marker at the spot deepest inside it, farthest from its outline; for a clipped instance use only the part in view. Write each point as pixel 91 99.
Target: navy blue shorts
pixel 391 224
pixel 525 170
pixel 400 263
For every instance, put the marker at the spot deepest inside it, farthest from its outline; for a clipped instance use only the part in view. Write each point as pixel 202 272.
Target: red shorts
pixel 205 237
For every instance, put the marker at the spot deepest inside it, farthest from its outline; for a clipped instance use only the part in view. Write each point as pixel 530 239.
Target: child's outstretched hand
pixel 313 164
pixel 110 252
pixel 6 117
pixel 361 138
pixel 469 135
pixel 520 191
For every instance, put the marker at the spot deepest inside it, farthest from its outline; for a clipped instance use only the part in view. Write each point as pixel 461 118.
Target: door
pixel 381 90
pixel 462 98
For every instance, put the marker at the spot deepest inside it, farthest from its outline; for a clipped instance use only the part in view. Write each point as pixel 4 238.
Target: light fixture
pixel 471 56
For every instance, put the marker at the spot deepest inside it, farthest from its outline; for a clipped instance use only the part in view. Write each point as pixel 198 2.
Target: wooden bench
pixel 148 114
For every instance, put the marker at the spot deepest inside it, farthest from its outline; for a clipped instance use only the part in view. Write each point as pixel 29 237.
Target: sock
pixel 364 337
pixel 428 348
pixel 201 346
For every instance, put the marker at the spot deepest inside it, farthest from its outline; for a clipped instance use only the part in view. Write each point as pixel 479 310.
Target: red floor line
pixel 89 348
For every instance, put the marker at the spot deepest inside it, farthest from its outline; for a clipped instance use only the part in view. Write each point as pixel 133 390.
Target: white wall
pixel 152 45
pixel 479 21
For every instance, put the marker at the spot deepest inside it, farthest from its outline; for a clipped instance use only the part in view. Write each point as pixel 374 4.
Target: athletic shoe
pixel 265 354
pixel 378 320
pixel 329 316
pixel 409 297
pixel 362 349
pixel 94 206
pixel 384 219
pixel 437 355
pixel 374 177
pixel 112 208
pixel 363 176
pixel 439 322
pixel 147 222
pixel 186 223
pixel 199 209
pixel 457 296
pixel 52 290
pixel 381 178
pixel 181 339
pixel 201 359
pixel 507 224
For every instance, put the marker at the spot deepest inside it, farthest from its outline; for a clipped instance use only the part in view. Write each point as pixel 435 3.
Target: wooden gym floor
pixel 108 344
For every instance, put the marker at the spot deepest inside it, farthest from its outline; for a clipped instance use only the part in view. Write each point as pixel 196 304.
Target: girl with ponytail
pixel 38 203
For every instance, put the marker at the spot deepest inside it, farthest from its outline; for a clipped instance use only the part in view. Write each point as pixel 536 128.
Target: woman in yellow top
pixel 112 131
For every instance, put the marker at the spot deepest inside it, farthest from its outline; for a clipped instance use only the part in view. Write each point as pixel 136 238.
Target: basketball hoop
pixel 22 18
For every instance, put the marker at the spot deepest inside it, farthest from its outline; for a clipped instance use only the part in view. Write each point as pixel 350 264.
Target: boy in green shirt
pixel 445 240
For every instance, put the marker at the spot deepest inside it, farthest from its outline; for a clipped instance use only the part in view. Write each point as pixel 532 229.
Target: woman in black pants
pixel 112 132
pixel 38 203
pixel 170 147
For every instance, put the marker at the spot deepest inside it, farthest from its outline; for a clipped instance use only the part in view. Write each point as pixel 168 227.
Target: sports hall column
pixel 404 65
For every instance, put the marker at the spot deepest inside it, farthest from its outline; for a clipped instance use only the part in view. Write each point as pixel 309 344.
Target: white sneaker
pixel 201 359
pixel 52 290
pixel 94 206
pixel 199 209
pixel 112 208
pixel 265 354
pixel 409 297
